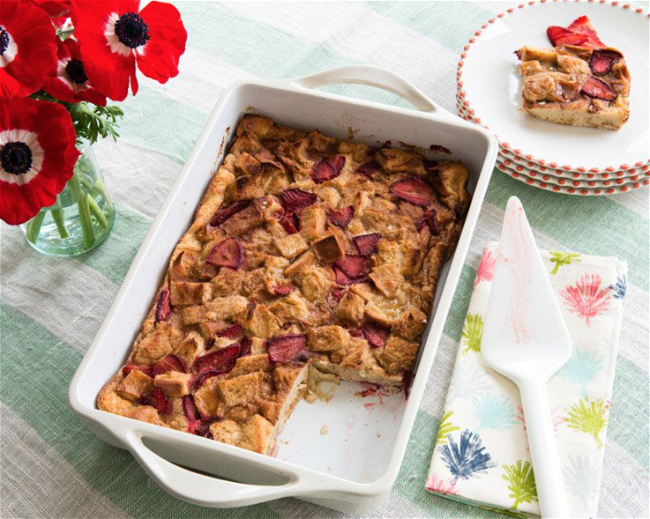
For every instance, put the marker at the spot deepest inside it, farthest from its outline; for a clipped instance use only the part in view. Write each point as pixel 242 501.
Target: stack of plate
pixel 564 159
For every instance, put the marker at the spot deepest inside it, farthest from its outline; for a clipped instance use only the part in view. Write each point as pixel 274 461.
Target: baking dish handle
pixel 376 77
pixel 206 490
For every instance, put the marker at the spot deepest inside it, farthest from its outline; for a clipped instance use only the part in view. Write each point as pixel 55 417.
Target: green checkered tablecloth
pixel 52 466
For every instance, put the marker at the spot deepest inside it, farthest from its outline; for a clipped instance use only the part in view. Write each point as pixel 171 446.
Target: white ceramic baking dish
pixel 354 465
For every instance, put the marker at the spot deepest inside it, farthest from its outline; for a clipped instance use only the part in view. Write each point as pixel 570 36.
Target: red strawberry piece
pixel 343 279
pixel 295 200
pixel 283 291
pixel 286 348
pixel 290 222
pixel 342 217
pixel 145 369
pixel 561 36
pixel 223 214
pixel 354 267
pixel 245 346
pixel 163 306
pixel 582 25
pixel 157 400
pixel 200 428
pixel 231 332
pixel 430 219
pixel 356 332
pixel 221 361
pixel 602 61
pixel 598 89
pixel 413 190
pixel 375 335
pixel 327 168
pixel 367 243
pixel 169 363
pixel 228 253
pixel 201 378
pixel 368 169
pixel 189 408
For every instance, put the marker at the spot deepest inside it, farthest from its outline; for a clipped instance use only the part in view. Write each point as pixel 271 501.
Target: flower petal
pixel 158 59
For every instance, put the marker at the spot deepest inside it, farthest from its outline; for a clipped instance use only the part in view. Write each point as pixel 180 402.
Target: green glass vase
pixel 82 217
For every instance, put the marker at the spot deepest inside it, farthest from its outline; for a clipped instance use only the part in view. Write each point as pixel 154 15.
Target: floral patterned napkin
pixel 481 455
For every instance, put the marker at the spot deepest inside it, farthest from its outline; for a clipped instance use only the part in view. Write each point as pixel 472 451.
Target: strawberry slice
pixel 283 290
pixel 430 219
pixel 157 400
pixel 582 25
pixel 598 89
pixel 295 200
pixel 290 222
pixel 354 267
pixel 327 168
pixel 375 335
pixel 221 361
pixel 287 348
pixel 201 428
pixel 231 332
pixel 163 306
pixel 145 369
pixel 414 190
pixel 342 217
pixel 189 408
pixel 245 346
pixel 367 243
pixel 343 279
pixel 561 36
pixel 368 169
pixel 223 214
pixel 602 61
pixel 169 363
pixel 198 381
pixel 228 253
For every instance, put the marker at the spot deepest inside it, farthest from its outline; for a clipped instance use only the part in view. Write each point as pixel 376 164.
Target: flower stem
pixel 84 211
pixel 34 226
pixel 59 219
pixel 97 212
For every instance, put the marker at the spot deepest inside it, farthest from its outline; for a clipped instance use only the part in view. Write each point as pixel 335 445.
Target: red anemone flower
pixel 115 35
pixel 69 82
pixel 27 48
pixel 55 8
pixel 37 156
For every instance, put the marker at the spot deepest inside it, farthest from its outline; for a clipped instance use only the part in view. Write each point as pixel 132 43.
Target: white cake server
pixel 525 339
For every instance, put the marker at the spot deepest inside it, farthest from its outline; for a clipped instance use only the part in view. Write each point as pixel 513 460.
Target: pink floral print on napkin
pixel 585 299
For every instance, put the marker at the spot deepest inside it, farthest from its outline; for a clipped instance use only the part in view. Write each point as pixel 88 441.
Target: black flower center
pixel 132 30
pixel 4 40
pixel 75 70
pixel 16 158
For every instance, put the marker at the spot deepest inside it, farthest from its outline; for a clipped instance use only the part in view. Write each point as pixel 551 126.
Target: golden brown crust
pixel 266 283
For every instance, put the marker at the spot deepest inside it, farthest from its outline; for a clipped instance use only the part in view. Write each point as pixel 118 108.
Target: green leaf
pixel 445 428
pixel 563 258
pixel 92 122
pixel 473 333
pixel 522 483
pixel 589 418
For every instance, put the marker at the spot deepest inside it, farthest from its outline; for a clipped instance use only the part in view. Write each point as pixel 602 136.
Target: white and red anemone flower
pixel 69 82
pixel 27 48
pixel 116 35
pixel 37 156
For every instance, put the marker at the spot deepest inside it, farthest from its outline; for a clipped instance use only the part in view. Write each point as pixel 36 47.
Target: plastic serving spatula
pixel 525 339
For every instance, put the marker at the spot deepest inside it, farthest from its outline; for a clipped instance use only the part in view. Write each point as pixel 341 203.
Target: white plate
pixel 607 176
pixel 489 78
pixel 570 187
